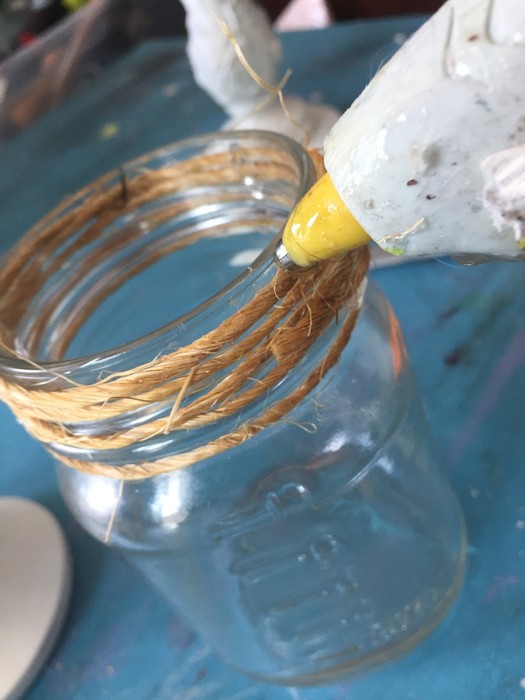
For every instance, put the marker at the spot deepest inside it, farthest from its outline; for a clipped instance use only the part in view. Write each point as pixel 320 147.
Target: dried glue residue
pixel 396 243
pixel 504 189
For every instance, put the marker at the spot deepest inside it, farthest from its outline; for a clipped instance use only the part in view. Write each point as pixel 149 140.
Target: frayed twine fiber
pixel 266 338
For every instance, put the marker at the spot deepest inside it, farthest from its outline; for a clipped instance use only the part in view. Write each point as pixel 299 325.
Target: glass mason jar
pixel 328 542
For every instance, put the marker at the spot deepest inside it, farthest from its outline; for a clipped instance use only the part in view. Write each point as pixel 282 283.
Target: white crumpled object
pixel 218 70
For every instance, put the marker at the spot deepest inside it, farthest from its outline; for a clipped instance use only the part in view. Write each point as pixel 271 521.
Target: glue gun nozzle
pixel 320 227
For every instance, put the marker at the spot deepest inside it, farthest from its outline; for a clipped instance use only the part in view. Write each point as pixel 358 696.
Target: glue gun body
pixel 430 159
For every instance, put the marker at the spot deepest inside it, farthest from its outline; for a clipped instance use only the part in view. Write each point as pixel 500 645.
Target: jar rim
pixel 48 369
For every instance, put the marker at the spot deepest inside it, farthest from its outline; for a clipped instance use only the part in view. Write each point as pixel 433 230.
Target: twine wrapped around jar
pixel 217 375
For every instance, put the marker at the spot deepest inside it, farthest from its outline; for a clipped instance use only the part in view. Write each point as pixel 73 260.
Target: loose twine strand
pixel 271 90
pixel 228 370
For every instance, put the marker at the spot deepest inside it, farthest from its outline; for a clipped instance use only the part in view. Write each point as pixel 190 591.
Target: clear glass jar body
pixel 326 543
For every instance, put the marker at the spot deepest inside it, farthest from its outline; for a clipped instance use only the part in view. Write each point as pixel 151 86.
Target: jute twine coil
pixel 266 338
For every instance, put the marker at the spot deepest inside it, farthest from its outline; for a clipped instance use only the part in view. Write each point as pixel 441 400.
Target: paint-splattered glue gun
pixel 430 159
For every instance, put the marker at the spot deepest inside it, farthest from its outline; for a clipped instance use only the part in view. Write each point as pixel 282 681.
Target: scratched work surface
pixel 466 335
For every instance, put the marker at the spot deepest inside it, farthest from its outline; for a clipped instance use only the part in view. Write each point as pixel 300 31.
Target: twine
pixel 202 383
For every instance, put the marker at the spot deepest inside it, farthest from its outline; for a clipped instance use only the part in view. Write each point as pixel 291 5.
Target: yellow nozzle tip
pixel 321 226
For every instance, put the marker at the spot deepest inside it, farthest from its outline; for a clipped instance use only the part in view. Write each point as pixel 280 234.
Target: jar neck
pixel 243 357
pixel 68 270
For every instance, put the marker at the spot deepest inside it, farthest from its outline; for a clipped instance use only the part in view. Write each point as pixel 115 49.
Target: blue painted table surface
pixel 465 332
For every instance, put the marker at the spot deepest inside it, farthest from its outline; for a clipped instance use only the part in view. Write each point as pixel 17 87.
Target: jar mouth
pixel 239 147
